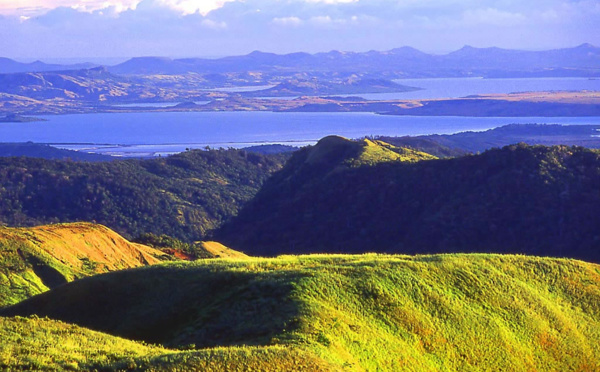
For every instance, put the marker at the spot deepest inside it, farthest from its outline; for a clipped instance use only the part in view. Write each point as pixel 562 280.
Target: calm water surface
pixel 462 87
pixel 209 128
pixel 172 132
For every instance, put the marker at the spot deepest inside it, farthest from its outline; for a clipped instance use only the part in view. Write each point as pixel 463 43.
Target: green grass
pixel 18 280
pixel 49 345
pixel 375 152
pixel 370 312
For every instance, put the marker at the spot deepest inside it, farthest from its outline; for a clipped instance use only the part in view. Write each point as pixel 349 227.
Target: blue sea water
pixel 237 129
pixel 172 132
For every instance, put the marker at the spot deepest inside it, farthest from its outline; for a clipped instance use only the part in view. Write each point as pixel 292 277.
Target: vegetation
pixel 369 312
pixel 188 251
pixel 37 259
pixel 519 199
pixel 50 345
pixel 183 195
pixel 38 150
pixel 426 144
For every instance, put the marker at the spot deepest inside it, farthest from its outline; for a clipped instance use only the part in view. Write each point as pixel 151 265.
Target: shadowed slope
pixel 519 199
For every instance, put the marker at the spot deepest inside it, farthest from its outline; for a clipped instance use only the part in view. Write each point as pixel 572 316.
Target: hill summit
pixel 351 197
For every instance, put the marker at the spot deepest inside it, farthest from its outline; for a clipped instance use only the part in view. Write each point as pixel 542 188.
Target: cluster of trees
pixel 183 196
pixel 518 199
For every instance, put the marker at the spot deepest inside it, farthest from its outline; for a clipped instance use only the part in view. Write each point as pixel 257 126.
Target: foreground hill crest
pixel 352 313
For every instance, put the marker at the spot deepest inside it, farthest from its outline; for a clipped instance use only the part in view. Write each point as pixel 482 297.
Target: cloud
pixel 287 21
pixel 492 16
pixel 194 6
pixel 332 1
pixel 38 7
pixel 122 28
pixel 184 7
pixel 209 23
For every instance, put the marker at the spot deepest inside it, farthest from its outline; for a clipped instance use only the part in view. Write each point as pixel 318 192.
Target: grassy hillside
pixel 182 195
pixel 519 199
pixel 188 251
pixel 369 312
pixel 50 345
pixel 32 260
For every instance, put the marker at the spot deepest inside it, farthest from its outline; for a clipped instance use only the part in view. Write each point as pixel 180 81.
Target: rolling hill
pixel 95 84
pixel 326 312
pixel 33 260
pixel 183 195
pixel 518 199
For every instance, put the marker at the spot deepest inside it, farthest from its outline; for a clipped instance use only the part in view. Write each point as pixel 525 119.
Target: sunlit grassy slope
pixel 369 312
pixel 50 345
pixel 35 259
pixel 335 151
pixel 216 250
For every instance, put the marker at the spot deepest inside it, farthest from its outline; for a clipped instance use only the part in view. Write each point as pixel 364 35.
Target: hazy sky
pixel 177 28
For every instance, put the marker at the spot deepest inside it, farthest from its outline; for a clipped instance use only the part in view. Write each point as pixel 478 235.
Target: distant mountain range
pixel 8 65
pixel 91 83
pixel 583 60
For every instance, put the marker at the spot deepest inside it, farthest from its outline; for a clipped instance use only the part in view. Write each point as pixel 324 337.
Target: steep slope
pixel 36 259
pixel 519 199
pixel 369 312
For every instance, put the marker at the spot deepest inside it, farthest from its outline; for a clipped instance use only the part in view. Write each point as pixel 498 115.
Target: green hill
pixel 183 195
pixel 370 312
pixel 33 260
pixel 50 345
pixel 519 199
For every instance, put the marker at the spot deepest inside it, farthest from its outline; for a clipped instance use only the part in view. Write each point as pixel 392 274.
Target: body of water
pixel 174 131
pixel 462 87
pixel 150 132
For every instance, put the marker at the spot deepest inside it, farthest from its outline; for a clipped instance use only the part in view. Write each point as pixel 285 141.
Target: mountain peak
pixel 586 46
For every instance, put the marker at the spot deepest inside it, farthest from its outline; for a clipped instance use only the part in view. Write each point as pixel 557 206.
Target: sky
pixel 96 29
